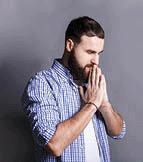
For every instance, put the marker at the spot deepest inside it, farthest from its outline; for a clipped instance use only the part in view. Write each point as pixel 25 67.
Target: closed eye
pixel 93 52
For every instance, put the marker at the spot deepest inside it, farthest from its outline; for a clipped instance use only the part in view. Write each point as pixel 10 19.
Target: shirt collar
pixel 65 73
pixel 61 70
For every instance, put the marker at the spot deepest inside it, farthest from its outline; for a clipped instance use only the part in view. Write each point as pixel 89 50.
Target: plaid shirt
pixel 51 97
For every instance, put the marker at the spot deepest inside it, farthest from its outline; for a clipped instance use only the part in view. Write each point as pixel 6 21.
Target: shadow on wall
pixel 16 143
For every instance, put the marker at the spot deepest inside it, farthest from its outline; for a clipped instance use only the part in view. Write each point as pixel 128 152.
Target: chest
pixel 68 101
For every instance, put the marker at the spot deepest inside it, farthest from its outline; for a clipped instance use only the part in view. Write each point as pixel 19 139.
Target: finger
pixel 93 75
pixel 101 82
pixel 105 89
pixel 98 73
pixel 104 85
pixel 89 78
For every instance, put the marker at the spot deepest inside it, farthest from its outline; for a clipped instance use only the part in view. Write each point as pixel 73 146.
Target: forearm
pixel 69 130
pixel 113 121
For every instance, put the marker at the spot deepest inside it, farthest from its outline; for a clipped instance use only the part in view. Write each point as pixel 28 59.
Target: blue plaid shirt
pixel 51 97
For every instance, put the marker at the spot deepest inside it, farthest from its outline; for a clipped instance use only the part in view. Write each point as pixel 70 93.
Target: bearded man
pixel 67 105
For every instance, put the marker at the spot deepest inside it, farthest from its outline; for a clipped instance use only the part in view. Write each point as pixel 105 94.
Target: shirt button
pixel 81 147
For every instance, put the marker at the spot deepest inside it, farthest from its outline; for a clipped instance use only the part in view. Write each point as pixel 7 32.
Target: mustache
pixel 90 65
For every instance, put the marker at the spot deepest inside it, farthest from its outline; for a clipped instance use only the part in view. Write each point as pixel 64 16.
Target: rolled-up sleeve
pixel 39 105
pixel 122 133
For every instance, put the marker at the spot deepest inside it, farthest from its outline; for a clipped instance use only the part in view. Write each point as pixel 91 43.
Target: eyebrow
pixel 101 51
pixel 92 51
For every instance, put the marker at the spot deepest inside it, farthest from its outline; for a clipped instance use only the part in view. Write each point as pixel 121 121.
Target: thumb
pixel 81 91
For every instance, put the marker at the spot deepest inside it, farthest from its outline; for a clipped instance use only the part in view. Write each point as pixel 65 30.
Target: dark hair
pixel 83 26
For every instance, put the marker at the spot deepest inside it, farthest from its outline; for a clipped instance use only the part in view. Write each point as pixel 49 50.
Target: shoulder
pixel 46 77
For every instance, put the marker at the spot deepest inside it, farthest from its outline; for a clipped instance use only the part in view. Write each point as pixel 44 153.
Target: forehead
pixel 91 42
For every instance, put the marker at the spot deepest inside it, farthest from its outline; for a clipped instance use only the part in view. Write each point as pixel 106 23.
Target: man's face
pixel 84 55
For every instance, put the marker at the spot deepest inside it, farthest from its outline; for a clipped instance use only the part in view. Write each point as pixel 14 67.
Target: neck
pixel 64 59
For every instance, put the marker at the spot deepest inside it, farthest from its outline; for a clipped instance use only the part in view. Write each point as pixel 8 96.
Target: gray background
pixel 32 35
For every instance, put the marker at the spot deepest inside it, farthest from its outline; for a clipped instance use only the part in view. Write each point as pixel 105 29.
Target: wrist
pixel 106 104
pixel 91 103
pixel 96 102
pixel 105 107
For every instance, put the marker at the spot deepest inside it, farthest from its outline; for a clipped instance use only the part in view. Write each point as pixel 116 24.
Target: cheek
pixel 81 61
pixel 82 58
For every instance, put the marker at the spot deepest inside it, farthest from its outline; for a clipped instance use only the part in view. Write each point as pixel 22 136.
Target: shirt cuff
pixel 122 133
pixel 44 137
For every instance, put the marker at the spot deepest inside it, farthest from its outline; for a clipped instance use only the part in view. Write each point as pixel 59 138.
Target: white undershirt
pixel 91 146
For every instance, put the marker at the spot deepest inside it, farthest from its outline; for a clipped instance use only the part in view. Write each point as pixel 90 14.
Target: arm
pixel 69 130
pixel 113 120
pixel 75 125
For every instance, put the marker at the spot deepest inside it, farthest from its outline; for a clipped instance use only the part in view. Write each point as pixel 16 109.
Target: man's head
pixel 83 26
pixel 84 41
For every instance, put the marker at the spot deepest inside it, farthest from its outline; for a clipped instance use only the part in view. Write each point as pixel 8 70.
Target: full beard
pixel 78 72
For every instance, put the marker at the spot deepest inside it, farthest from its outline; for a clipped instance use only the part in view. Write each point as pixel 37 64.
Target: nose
pixel 95 60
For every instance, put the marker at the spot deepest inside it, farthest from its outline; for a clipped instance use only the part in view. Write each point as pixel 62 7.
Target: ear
pixel 69 45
